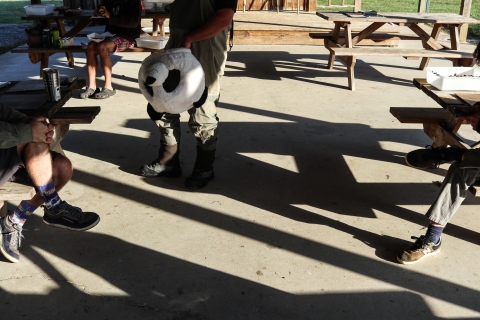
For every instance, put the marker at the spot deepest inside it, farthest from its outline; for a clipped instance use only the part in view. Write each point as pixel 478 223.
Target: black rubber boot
pixel 203 170
pixel 166 165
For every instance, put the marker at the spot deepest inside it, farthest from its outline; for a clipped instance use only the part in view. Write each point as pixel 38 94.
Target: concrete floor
pixel 310 205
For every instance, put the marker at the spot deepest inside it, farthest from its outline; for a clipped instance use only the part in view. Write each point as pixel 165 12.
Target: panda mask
pixel 172 81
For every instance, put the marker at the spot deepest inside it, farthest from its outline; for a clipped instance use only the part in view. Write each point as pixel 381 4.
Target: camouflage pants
pixel 203 122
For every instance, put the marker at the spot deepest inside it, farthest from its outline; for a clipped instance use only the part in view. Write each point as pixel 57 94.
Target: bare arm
pixel 213 26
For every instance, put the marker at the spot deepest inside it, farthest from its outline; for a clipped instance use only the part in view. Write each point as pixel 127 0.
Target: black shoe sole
pixel 5 254
pixel 204 183
pixel 61 226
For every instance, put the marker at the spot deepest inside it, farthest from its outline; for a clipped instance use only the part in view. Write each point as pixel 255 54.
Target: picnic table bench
pixel 14 191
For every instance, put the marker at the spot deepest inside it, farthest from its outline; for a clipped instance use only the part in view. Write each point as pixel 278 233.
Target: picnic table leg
pixel 155 27
pixel 43 62
pixel 61 131
pixel 454 38
pixel 336 35
pixel 161 24
pixel 351 61
pixel 435 34
pixel 348 35
pixel 62 32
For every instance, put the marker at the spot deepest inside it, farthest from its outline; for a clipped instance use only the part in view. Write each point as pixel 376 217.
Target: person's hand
pixel 104 12
pixel 42 130
pixel 96 13
pixel 186 43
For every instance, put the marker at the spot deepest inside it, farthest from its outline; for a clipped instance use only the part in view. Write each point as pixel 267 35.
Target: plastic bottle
pixel 47 38
pixel 55 37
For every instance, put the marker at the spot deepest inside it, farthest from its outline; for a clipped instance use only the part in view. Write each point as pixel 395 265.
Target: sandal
pixel 105 93
pixel 88 93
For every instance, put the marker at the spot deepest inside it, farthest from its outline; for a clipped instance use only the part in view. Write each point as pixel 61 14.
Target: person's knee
pixel 35 149
pixel 62 167
pixel 92 48
pixel 104 49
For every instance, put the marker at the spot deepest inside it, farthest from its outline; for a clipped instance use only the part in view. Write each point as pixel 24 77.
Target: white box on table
pixel 39 9
pixel 152 42
pixel 454 78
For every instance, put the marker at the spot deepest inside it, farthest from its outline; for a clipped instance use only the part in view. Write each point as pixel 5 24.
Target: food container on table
pixel 150 29
pixel 454 78
pixel 51 78
pixel 39 9
pixel 95 37
pixel 65 42
pixel 155 5
pixel 152 42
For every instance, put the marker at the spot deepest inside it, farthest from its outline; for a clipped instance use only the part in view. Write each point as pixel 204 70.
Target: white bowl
pixel 152 42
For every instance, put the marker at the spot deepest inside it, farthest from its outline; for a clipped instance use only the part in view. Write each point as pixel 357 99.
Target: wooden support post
pixel 422 6
pixel 465 11
pixel 358 5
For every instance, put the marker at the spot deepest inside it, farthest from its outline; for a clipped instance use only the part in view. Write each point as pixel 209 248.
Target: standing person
pixel 463 173
pixel 24 143
pixel 201 26
pixel 124 22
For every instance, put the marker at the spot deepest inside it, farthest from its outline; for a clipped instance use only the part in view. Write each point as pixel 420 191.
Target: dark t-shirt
pixel 222 4
pixel 124 18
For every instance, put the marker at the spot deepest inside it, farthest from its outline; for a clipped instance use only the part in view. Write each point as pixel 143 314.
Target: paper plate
pixel 95 37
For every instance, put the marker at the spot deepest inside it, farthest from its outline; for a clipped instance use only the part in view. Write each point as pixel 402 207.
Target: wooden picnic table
pixel 30 97
pixel 440 124
pixel 83 20
pixel 344 46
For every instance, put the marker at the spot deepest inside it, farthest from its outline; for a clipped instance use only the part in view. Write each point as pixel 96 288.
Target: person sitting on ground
pixel 123 22
pixel 463 173
pixel 24 143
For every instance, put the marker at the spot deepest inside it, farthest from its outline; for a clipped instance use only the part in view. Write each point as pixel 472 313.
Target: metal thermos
pixel 51 78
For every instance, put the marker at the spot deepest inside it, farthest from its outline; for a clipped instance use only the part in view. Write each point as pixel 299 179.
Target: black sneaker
pixel 428 158
pixel 69 217
pixel 420 249
pixel 157 170
pixel 198 180
pixel 10 239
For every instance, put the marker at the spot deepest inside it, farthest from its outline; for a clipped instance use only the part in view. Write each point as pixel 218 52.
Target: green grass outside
pixel 436 6
pixel 12 10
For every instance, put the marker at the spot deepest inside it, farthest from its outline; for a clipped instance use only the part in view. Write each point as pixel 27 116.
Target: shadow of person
pixel 306 164
pixel 102 276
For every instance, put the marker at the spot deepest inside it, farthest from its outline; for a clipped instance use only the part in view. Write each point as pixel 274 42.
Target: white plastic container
pixel 454 78
pixel 39 9
pixel 152 42
pixel 155 5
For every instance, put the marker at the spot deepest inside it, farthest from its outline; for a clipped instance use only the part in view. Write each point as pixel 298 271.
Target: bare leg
pixel 92 64
pixel 39 165
pixel 104 49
